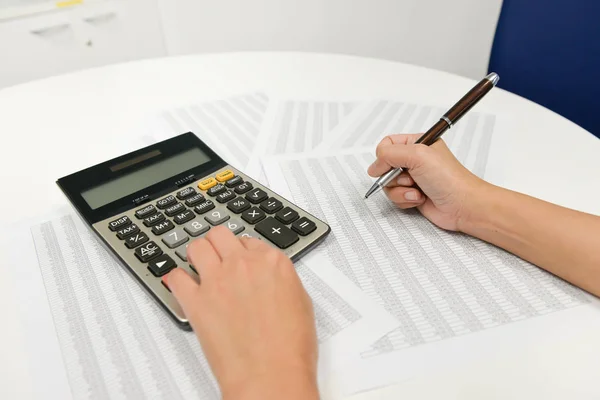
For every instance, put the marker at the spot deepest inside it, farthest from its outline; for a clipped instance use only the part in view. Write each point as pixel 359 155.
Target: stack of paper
pixel 389 288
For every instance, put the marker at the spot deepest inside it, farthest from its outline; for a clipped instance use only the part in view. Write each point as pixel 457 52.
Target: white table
pixel 56 126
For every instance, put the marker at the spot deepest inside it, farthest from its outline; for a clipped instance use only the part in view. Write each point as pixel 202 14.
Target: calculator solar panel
pixel 149 205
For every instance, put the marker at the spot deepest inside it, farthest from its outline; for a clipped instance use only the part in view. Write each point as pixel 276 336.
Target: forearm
pixel 562 241
pixel 278 385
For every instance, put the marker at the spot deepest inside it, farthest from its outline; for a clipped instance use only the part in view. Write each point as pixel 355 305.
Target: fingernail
pixel 411 196
pixel 404 180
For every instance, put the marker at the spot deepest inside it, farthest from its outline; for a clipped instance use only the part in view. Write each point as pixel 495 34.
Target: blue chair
pixel 549 52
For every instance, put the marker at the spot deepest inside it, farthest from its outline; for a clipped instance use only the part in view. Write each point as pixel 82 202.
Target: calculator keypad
pixel 167 226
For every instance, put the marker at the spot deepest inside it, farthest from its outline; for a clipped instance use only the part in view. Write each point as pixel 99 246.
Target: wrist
pixel 480 201
pixel 278 384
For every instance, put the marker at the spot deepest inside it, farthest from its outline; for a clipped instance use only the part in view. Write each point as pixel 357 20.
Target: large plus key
pixel 277 232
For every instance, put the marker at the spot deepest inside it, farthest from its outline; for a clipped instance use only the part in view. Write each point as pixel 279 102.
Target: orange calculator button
pixel 225 175
pixel 207 183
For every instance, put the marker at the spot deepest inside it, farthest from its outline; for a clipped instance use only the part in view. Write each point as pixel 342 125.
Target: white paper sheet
pixel 439 285
pixel 117 342
pixel 469 140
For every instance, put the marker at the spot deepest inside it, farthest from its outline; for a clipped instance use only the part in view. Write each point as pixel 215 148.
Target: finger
pixel 183 287
pixel 224 242
pixel 401 195
pixel 202 255
pixel 252 243
pixel 396 156
pixel 404 179
pixel 400 139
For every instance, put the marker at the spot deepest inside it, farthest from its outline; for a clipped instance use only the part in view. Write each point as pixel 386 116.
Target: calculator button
pixel 146 211
pixel 204 207
pixel 225 196
pixel 256 195
pixel 184 217
pixel 253 215
pixel 271 205
pixel 135 240
pixel 179 207
pixel 163 227
pixel 233 182
pixel 224 175
pixel 119 223
pixel 185 193
pixel 196 228
pixel 161 265
pixel 182 252
pixel 192 201
pixel 235 226
pixel 215 190
pixel 243 188
pixel 128 230
pixel 276 232
pixel 175 238
pixel 154 219
pixel 207 183
pixel 304 226
pixel 166 202
pixel 147 251
pixel 287 215
pixel 216 217
pixel 238 205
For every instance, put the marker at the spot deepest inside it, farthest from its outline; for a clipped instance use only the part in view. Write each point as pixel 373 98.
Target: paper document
pixel 117 342
pixel 438 284
pixel 230 126
pixel 469 140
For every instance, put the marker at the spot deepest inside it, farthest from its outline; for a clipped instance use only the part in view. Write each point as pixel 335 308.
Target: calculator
pixel 149 205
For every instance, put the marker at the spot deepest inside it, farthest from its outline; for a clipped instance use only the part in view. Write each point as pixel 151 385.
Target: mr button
pixel 161 265
pixel 276 232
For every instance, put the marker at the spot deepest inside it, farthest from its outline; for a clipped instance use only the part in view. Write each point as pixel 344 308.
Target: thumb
pixel 396 156
pixel 184 288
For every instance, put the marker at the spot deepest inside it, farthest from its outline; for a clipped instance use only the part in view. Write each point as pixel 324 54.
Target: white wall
pixel 451 35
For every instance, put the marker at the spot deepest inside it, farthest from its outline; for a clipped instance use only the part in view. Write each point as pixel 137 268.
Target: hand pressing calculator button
pixel 161 265
pixel 276 232
pixel 166 202
pixel 147 251
pixel 174 181
pixel 119 223
pixel 144 212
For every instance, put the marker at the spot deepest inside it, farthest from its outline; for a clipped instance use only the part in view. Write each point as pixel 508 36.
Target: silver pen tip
pixel 372 190
pixel 493 77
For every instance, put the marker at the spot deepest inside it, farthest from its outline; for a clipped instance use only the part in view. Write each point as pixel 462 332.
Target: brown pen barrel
pixel 456 112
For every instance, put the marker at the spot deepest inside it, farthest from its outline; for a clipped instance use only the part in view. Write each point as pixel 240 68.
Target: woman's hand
pixel 253 318
pixel 435 182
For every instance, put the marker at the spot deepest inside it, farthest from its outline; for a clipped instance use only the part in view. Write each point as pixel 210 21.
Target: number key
pixel 196 228
pixel 256 195
pixel 235 226
pixel 175 238
pixel 216 217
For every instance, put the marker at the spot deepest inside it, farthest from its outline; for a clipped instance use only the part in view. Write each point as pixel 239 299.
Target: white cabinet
pixel 94 34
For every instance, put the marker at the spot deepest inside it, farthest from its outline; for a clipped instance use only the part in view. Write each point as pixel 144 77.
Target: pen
pixel 449 119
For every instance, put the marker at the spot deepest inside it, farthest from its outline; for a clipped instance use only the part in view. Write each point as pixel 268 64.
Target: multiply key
pixel 276 232
pixel 129 230
pixel 162 227
pixel 174 209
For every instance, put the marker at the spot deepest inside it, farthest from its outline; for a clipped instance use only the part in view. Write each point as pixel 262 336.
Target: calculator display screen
pixel 125 185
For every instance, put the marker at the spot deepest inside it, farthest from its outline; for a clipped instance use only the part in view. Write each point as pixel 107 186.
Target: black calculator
pixel 149 205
